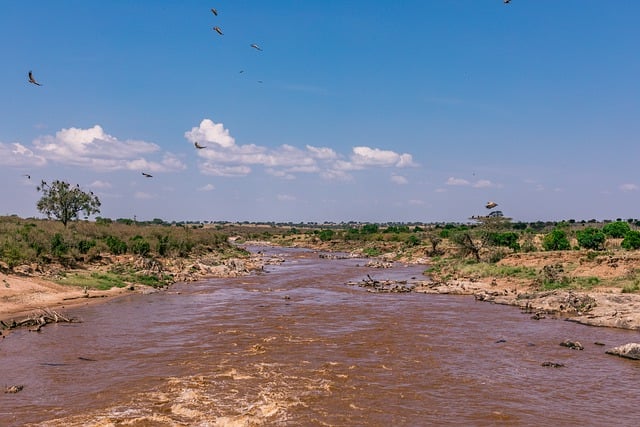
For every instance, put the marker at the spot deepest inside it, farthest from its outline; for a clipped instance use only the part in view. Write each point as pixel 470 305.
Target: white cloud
pixel 100 184
pixel 416 202
pixel 280 174
pixel 629 187
pixel 399 179
pixel 483 183
pixel 216 170
pixel 286 197
pixel 208 187
pixel 367 156
pixel 210 132
pixel 323 153
pixel 16 154
pixel 143 195
pixel 94 148
pixel 457 181
pixel 224 157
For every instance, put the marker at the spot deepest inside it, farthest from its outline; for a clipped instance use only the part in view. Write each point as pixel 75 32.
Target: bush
pixel 140 246
pixel 413 240
pixel 326 235
pixel 115 245
pixel 556 241
pixel 631 240
pixel 616 229
pixel 591 238
pixel 508 239
pixel 58 245
pixel 85 245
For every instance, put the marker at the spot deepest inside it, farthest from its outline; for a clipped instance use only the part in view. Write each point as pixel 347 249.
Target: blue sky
pixel 353 110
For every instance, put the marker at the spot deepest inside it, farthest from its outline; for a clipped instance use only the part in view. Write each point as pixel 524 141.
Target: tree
pixel 62 201
pixel 556 241
pixel 631 240
pixel 591 238
pixel 616 229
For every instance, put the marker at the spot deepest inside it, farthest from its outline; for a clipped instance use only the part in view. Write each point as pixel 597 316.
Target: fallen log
pixel 38 319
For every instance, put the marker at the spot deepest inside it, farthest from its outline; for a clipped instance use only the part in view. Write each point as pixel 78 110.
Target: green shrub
pixel 556 241
pixel 116 246
pixel 58 246
pixel 413 240
pixel 326 235
pixel 140 246
pixel 631 240
pixel 591 238
pixel 84 245
pixel 508 239
pixel 616 229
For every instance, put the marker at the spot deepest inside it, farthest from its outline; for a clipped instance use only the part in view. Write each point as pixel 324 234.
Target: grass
pixel 107 280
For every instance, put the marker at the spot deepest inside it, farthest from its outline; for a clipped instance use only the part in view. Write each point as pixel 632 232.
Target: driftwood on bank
pixel 37 320
pixel 384 286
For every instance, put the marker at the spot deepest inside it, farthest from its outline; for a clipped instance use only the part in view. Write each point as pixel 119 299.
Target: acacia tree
pixel 62 201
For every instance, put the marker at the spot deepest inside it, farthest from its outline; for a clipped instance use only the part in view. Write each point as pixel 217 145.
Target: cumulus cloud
pixel 224 157
pixel 16 154
pixel 142 195
pixel 210 132
pixel 457 181
pixel 481 183
pixel 100 184
pixel 399 179
pixel 94 148
pixel 208 187
pixel 629 187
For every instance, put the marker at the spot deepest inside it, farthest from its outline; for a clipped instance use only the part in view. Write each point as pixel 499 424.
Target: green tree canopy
pixel 63 202
pixel 591 238
pixel 556 241
pixel 616 229
pixel 631 240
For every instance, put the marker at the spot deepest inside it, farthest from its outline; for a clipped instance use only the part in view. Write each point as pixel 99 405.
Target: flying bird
pixel 146 175
pixel 256 47
pixel 218 30
pixel 507 1
pixel 215 12
pixel 27 176
pixel 491 205
pixel 198 146
pixel 33 80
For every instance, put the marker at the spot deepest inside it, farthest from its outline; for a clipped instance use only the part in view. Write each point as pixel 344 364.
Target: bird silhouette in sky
pixel 146 175
pixel 256 47
pixel 218 30
pixel 27 176
pixel 214 11
pixel 507 1
pixel 198 146
pixel 491 205
pixel 33 80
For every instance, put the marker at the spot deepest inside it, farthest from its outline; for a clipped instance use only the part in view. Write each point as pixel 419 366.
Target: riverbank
pixel 31 288
pixel 602 303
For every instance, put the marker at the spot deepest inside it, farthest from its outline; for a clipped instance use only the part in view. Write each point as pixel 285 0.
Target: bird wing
pixel 218 30
pixel 215 12
pixel 32 79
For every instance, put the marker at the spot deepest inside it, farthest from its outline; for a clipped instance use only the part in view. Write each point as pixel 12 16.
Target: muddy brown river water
pixel 296 346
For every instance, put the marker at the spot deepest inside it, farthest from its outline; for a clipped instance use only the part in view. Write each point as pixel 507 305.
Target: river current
pixel 297 346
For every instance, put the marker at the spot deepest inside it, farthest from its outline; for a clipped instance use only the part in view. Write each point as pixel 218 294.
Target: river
pixel 296 346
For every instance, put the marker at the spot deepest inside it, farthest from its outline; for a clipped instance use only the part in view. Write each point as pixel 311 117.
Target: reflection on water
pixel 296 346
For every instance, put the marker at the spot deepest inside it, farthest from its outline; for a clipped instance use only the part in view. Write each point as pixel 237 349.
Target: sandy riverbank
pixel 21 295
